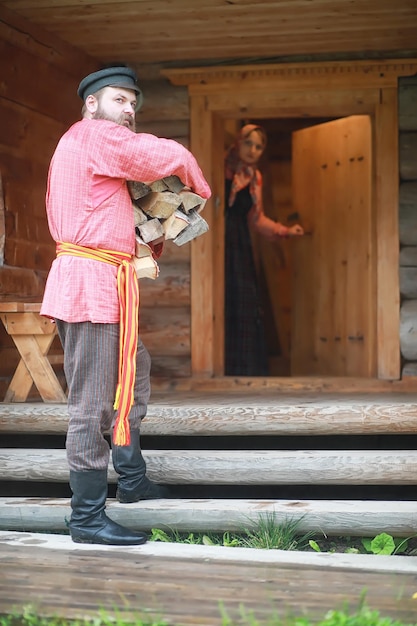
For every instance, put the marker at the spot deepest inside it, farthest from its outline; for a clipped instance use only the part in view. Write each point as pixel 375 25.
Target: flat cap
pixel 123 77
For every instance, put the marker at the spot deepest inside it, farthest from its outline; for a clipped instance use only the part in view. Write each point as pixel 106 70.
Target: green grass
pixel 266 534
pixel 364 616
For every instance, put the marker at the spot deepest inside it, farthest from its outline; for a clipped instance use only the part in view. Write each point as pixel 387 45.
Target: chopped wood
pixel 191 200
pixel 196 227
pixel 137 189
pixel 139 215
pixel 141 248
pixel 159 204
pixel 165 208
pixel 151 230
pixel 146 267
pixel 169 183
pixel 175 224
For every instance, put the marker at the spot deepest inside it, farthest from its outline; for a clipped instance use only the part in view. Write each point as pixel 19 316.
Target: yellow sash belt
pixel 128 292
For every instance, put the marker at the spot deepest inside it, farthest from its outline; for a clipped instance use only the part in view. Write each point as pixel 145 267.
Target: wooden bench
pixel 33 335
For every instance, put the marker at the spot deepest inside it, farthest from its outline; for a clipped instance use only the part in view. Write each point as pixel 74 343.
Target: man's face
pixel 117 105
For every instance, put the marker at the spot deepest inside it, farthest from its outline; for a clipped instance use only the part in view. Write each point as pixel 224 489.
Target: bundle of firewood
pixel 164 209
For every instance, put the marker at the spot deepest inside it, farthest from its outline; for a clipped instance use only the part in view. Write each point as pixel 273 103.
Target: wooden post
pixel 387 235
pixel 202 296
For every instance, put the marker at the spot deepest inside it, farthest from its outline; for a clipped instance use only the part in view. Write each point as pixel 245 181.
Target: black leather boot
pixel 89 522
pixel 133 484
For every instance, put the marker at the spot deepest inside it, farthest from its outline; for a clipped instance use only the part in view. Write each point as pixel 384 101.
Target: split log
pixel 169 183
pixel 175 224
pixel 197 226
pixel 139 215
pixel 151 230
pixel 144 263
pixel 160 200
pixel 137 190
pixel 159 204
pixel 191 201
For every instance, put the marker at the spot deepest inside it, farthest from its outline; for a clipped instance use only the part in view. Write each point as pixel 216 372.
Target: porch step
pixel 327 517
pixel 236 444
pixel 241 413
pixel 234 467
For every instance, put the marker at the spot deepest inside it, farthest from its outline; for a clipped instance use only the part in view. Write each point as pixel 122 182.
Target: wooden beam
pixel 202 296
pixel 188 414
pixel 234 467
pixel 325 517
pixel 387 295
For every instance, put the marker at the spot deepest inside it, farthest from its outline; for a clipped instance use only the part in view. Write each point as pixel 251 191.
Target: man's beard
pixel 122 120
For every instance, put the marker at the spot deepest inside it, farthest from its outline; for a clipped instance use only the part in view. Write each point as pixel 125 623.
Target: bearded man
pixel 92 294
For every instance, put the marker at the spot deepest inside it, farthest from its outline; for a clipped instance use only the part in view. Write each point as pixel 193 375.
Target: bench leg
pixel 34 367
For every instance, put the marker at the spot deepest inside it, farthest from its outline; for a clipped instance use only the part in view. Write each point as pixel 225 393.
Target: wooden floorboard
pixel 185 584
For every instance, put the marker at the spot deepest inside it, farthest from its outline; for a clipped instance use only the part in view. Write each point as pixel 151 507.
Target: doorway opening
pixel 318 292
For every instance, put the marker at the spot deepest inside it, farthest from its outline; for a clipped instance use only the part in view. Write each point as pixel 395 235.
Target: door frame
pixel 293 90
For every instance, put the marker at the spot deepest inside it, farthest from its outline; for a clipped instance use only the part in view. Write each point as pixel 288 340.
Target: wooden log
pixel 328 517
pixel 137 189
pixel 158 204
pixel 408 330
pixel 408 282
pixel 151 230
pixel 169 183
pixel 175 224
pixel 197 226
pixel 408 214
pixel 170 367
pixel 166 331
pixel 163 101
pixel 172 289
pixel 407 97
pixel 410 369
pixel 140 216
pixel 408 151
pixel 229 414
pixel 234 467
pixel 191 201
pixel 408 256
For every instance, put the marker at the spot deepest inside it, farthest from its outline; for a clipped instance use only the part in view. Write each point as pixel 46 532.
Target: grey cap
pixel 110 77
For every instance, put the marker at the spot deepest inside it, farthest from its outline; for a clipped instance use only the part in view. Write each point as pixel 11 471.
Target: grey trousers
pixel 91 356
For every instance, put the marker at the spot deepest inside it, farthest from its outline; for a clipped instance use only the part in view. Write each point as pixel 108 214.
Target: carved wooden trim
pixel 384 72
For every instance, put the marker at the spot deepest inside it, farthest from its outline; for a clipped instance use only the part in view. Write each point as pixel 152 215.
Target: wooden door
pixel 334 316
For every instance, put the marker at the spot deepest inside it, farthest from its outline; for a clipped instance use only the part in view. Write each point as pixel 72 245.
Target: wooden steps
pixel 243 438
pixel 242 413
pixel 234 467
pixel 326 517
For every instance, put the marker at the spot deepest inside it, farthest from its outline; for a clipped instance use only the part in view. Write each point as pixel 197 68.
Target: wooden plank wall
pixel 39 76
pixel 408 223
pixel 38 102
pixel 165 303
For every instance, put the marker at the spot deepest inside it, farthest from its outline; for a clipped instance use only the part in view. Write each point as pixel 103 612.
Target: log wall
pixel 407 97
pixel 40 75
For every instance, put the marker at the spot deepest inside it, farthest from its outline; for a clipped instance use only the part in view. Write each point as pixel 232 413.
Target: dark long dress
pixel 245 344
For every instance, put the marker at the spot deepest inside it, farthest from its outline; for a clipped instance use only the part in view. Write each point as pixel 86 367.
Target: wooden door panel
pixel 334 315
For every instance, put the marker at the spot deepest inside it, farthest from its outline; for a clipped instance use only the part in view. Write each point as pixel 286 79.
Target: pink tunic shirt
pixel 88 204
